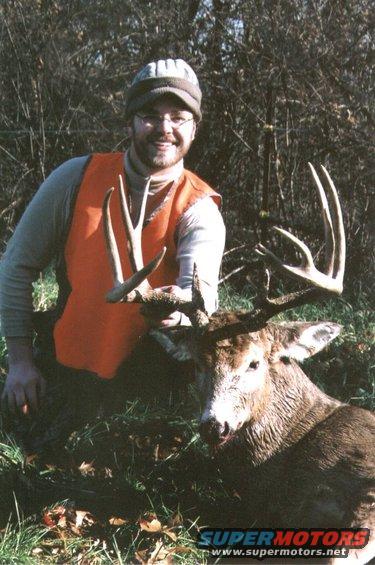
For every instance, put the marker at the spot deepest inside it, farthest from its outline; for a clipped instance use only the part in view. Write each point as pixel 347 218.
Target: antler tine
pixel 307 262
pixel 323 283
pixel 339 230
pixel 332 280
pixel 129 290
pixel 136 288
pixel 133 233
pixel 198 315
pixel 110 240
pixel 121 289
pixel 328 227
pixel 142 211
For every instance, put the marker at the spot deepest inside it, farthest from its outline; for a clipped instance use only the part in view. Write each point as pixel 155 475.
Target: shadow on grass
pixel 142 462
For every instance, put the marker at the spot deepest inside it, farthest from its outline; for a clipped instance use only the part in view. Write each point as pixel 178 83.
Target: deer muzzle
pixel 215 433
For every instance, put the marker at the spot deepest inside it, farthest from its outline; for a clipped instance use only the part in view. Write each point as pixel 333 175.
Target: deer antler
pixel 324 283
pixel 137 288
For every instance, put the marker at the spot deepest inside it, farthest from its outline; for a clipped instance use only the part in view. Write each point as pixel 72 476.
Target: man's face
pixel 162 133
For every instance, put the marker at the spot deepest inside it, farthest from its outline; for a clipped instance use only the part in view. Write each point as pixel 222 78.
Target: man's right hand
pixel 24 386
pixel 23 390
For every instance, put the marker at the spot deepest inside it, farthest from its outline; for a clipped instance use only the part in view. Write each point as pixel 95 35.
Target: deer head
pixel 239 357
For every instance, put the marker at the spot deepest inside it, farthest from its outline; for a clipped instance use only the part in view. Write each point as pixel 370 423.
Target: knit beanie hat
pixel 166 76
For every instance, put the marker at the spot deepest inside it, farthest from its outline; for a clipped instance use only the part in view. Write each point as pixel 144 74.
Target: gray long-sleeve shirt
pixel 39 237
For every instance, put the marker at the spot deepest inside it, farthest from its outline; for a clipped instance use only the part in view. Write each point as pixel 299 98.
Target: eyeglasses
pixel 175 121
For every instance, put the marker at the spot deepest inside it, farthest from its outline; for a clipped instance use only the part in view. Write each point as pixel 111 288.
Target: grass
pixel 135 487
pixel 120 490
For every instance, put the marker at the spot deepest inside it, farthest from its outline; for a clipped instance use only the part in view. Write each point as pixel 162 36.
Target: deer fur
pixel 297 457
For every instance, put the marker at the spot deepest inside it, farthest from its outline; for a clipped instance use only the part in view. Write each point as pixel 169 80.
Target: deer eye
pixel 254 365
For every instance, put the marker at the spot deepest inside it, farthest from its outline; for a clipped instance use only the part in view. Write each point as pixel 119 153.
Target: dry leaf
pixel 175 520
pixel 48 520
pixel 62 522
pixel 81 516
pixel 114 521
pixel 31 458
pixel 159 553
pixel 167 560
pixel 180 549
pixel 150 524
pixel 141 556
pixel 165 530
pixel 52 517
pixel 86 468
pixel 51 466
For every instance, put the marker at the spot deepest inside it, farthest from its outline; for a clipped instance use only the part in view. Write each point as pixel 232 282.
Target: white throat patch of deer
pixel 297 457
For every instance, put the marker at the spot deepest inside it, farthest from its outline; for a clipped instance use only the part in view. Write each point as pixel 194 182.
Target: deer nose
pixel 214 432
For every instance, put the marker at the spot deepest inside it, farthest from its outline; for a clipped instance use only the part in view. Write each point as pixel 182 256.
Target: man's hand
pixel 24 386
pixel 23 390
pixel 161 317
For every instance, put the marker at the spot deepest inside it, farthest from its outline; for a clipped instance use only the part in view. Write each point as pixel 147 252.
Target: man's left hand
pixel 161 316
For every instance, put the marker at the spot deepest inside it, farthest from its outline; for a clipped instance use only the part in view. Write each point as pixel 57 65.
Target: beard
pixel 160 152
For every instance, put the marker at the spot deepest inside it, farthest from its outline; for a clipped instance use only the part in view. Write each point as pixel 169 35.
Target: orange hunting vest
pixel 92 334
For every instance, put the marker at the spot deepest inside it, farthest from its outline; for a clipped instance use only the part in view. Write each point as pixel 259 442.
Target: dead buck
pixel 297 457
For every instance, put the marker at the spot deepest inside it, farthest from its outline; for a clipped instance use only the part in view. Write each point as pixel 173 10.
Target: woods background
pixel 284 82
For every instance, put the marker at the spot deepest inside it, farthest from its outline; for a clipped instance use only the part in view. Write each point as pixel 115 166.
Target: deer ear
pixel 175 341
pixel 300 340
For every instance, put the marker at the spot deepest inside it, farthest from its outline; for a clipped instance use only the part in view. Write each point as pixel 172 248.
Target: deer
pixel 296 456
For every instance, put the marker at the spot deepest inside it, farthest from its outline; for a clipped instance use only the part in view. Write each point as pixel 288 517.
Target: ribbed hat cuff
pixel 148 89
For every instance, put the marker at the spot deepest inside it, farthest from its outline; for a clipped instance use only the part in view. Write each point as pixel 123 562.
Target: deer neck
pixel 294 406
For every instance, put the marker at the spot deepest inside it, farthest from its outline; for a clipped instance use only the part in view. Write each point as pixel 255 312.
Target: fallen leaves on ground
pixel 158 443
pixel 65 520
pixel 87 468
pixel 151 524
pixel 109 501
pixel 160 554
pixel 117 521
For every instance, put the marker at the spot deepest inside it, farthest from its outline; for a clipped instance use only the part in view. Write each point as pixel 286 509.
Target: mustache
pixel 154 137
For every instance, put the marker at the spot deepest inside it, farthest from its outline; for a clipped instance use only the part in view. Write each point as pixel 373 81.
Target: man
pixel 63 222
